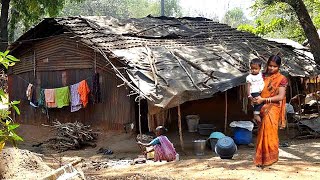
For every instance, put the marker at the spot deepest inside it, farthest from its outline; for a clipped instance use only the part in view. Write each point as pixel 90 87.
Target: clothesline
pixel 46 88
pixel 76 95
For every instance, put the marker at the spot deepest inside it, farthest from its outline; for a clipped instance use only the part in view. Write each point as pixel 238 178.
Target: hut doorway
pixel 143 115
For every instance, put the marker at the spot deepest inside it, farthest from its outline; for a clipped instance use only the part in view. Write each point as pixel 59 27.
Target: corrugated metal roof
pixel 174 60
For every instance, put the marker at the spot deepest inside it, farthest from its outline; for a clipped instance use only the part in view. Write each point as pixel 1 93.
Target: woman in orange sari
pixel 272 113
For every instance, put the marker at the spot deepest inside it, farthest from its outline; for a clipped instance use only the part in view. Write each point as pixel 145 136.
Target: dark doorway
pixel 144 116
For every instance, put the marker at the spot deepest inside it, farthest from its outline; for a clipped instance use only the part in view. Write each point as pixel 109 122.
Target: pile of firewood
pixel 71 136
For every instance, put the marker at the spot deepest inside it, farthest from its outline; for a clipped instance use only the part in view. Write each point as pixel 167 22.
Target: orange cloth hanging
pixel 84 91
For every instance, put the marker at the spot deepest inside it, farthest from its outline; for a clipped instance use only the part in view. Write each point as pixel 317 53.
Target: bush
pixel 7 126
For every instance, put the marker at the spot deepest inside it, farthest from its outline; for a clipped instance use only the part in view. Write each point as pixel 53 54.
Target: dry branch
pixel 71 136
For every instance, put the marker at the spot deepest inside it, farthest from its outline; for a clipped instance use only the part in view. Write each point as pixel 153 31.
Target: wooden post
pixel 140 131
pixel 316 95
pixel 180 128
pixel 226 111
pixel 287 123
pixel 290 84
pixel 300 109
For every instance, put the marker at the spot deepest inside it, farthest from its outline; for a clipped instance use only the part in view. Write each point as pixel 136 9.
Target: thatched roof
pixel 174 60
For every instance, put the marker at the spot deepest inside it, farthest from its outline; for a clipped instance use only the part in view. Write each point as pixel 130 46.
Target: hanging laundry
pixel 84 90
pixel 41 99
pixel 29 91
pixel 62 96
pixel 33 102
pixel 96 93
pixel 75 98
pixel 49 95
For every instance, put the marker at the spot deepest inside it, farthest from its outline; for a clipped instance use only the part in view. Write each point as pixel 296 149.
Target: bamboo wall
pixel 62 61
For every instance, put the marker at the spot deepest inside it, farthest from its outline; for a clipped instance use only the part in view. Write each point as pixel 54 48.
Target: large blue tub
pixel 242 136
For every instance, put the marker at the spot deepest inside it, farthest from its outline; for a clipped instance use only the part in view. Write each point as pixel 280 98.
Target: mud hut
pixel 193 62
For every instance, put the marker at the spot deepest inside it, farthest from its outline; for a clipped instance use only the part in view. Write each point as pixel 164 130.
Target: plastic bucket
pixel 192 122
pixel 199 147
pixel 242 136
pixel 226 148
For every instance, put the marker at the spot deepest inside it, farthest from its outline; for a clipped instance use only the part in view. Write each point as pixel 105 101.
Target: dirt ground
pixel 301 160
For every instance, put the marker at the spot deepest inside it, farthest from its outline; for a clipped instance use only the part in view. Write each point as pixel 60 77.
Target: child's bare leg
pixel 257 118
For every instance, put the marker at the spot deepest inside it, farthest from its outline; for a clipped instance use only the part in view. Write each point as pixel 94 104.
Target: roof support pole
pixel 140 131
pixel 317 96
pixel 299 101
pixel 162 7
pixel 180 128
pixel 226 111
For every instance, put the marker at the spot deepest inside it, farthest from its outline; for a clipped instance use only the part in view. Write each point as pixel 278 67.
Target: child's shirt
pixel 256 82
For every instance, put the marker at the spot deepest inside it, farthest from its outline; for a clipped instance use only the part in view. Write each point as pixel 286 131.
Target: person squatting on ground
pixel 255 85
pixel 272 113
pixel 162 147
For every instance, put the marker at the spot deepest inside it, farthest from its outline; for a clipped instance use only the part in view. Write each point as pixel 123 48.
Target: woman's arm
pixel 277 98
pixel 152 143
pixel 144 144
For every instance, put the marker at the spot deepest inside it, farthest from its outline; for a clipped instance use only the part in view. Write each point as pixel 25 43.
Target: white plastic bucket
pixel 192 122
pixel 177 157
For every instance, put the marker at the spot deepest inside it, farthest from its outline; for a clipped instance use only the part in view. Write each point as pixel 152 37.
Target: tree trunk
pixel 308 27
pixel 4 24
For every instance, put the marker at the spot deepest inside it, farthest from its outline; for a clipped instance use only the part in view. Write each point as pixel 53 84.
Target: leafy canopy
pixel 25 13
pixel 235 17
pixel 120 8
pixel 278 20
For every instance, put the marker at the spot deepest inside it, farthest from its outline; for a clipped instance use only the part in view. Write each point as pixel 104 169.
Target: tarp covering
pixel 174 60
pixel 313 124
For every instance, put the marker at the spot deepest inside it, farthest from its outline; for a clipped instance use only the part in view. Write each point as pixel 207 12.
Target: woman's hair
pixel 161 129
pixel 256 61
pixel 274 58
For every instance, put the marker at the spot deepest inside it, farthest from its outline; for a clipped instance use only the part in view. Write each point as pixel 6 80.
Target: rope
pixel 39 84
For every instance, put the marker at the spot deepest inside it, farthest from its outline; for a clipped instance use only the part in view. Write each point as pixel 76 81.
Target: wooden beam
pixel 152 64
pixel 299 101
pixel 180 129
pixel 226 111
pixel 62 170
pixel 185 70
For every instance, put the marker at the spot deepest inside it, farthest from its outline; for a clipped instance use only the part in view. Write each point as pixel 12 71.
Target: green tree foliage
pixel 235 17
pixel 292 12
pixel 25 13
pixel 279 20
pixel 120 8
pixel 7 127
pixel 262 28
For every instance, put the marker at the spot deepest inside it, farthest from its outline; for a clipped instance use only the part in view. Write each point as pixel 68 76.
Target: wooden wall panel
pixel 75 62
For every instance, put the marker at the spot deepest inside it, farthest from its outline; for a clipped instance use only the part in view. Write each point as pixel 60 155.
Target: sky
pixel 212 8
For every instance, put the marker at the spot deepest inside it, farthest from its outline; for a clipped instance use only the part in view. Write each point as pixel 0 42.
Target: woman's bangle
pixel 268 100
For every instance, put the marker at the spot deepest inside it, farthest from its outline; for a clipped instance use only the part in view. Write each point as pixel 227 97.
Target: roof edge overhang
pixel 46 28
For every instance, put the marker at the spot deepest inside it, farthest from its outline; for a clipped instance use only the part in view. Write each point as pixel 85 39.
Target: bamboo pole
pixel 287 123
pixel 140 131
pixel 180 129
pixel 298 100
pixel 226 111
pixel 316 95
pixel 186 71
pixel 62 170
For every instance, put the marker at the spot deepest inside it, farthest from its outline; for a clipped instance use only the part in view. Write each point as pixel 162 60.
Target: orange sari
pixel 273 116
